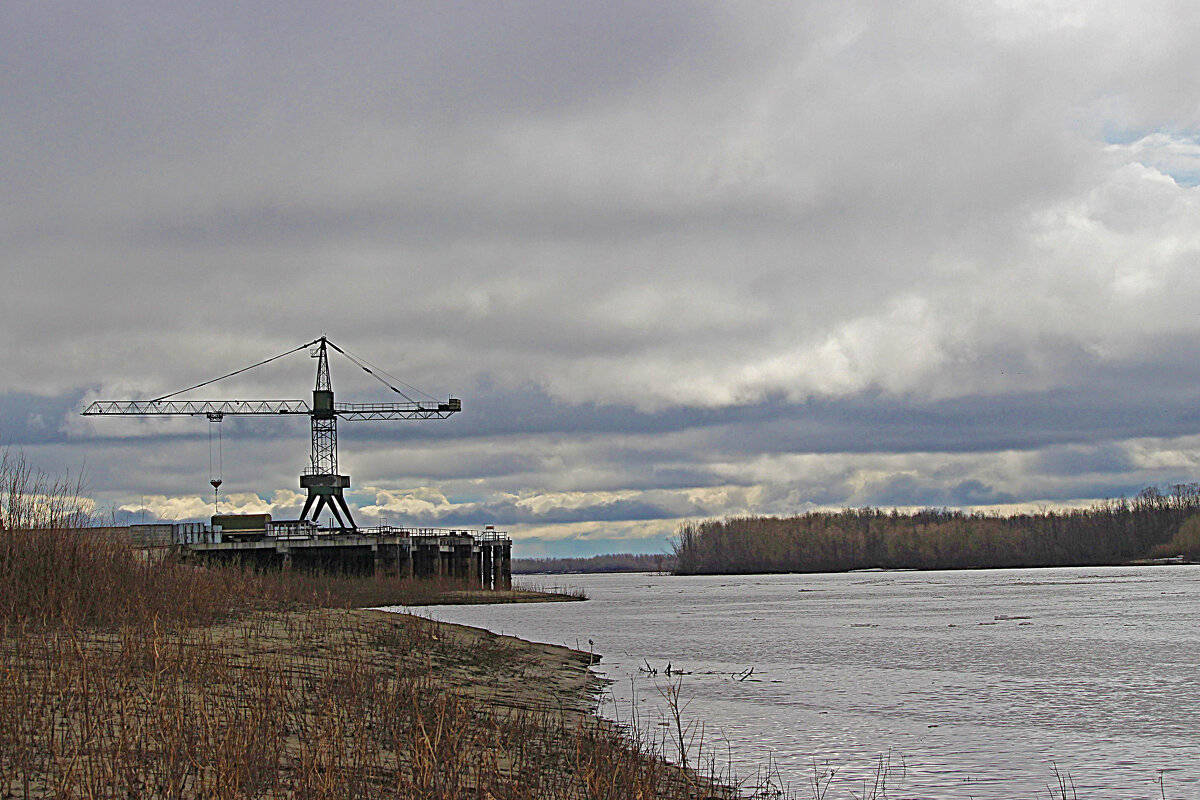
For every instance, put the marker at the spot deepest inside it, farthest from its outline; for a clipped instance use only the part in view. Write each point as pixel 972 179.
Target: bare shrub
pixel 32 499
pixel 123 676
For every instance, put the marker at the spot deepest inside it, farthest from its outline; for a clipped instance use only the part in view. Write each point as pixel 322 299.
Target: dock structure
pixel 481 557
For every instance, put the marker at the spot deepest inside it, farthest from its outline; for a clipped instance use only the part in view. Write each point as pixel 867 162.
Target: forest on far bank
pixel 1154 524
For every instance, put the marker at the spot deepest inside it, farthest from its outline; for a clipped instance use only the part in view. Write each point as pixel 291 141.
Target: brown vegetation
pixel 1110 532
pixel 127 676
pixel 1185 542
pixel 31 498
pixel 312 704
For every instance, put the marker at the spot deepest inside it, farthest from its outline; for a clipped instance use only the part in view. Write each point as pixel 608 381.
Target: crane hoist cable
pixel 214 420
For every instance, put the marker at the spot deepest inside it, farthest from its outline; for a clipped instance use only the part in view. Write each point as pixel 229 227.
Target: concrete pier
pixel 482 557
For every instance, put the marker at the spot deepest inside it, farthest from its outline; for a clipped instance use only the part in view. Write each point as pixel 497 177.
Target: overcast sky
pixel 679 260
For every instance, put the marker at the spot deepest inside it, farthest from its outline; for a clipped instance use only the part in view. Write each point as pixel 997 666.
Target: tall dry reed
pixel 33 499
pixel 128 676
pixel 317 704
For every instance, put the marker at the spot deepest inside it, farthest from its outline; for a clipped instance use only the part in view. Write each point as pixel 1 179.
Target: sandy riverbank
pixel 315 702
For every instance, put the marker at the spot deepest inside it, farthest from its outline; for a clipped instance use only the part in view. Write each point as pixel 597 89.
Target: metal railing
pixel 486 535
pixel 202 533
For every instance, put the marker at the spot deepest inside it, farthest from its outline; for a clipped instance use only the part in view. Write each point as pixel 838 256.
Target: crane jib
pixel 418 410
pixel 195 407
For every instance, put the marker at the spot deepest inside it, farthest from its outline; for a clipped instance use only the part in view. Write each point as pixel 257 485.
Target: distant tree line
pixel 1152 524
pixel 615 562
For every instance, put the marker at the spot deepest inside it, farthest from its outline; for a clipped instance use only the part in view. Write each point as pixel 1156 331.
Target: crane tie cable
pixel 236 372
pixel 362 363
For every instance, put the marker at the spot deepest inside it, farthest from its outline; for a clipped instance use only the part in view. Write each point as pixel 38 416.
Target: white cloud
pixel 423 502
pixel 171 509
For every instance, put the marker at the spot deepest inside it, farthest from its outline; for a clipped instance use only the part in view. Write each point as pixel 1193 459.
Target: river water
pixel 971 684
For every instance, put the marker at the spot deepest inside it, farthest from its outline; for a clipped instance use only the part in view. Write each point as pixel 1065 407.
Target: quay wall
pixel 484 557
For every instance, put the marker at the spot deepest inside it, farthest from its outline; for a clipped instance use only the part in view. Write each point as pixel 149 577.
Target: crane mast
pixel 325 486
pixel 321 480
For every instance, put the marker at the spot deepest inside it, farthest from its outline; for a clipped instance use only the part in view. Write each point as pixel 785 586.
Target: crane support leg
pixel 325 491
pixel 317 509
pixel 341 501
pixel 337 515
pixel 307 505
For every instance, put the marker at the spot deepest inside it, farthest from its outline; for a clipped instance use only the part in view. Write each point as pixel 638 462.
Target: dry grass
pixel 312 703
pixel 69 578
pixel 127 676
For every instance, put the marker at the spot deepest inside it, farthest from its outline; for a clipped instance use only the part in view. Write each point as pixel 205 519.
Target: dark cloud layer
pixel 679 260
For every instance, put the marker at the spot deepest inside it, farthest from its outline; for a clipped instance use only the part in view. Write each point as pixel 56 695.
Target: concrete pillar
pixel 506 565
pixel 458 564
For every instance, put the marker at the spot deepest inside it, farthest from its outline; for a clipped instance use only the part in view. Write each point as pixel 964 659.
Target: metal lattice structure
pixel 321 479
pixel 323 482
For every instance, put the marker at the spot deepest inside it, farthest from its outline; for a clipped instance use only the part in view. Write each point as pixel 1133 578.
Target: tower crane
pixel 325 485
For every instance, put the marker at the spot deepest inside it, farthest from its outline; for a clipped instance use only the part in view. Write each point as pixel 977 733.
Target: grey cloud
pixel 856 253
pixel 906 491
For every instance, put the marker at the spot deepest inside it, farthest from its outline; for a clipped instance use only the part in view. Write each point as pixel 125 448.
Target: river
pixel 969 684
